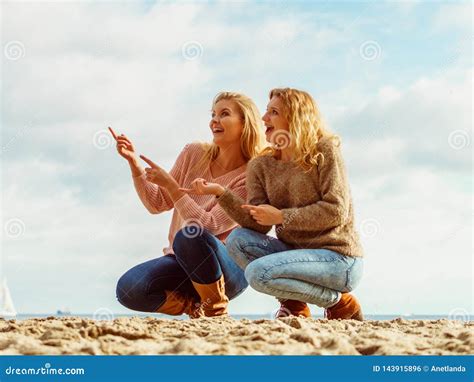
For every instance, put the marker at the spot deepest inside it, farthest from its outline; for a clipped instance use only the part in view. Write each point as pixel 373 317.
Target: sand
pixel 290 335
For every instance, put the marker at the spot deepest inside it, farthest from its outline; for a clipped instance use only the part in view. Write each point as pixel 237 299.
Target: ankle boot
pixel 348 308
pixel 176 304
pixel 213 298
pixel 292 308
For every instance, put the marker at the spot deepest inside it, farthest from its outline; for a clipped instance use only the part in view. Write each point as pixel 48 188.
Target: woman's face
pixel 226 123
pixel 274 118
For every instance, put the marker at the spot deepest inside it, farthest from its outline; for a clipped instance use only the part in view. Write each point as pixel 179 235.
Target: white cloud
pixel 415 259
pixel 455 15
pixel 416 124
pixel 389 94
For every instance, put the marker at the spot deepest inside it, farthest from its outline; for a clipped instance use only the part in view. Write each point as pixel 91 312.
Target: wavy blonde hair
pixel 306 126
pixel 252 140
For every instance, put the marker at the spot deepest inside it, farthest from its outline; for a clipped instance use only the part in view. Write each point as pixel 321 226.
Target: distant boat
pixel 7 309
pixel 63 312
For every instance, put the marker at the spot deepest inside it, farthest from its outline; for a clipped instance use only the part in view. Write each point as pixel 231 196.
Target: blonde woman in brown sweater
pixel 299 185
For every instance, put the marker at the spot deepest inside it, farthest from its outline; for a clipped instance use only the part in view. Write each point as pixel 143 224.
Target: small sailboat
pixel 7 309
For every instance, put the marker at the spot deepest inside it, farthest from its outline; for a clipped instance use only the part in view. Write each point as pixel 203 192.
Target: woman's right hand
pixel 201 186
pixel 124 146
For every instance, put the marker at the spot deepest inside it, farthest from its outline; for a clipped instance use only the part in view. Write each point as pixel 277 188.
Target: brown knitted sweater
pixel 316 205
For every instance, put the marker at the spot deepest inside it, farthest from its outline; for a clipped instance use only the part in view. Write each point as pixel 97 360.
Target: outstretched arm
pixel 160 197
pixel 215 220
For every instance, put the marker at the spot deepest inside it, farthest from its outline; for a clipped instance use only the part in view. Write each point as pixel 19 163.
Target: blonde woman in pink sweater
pixel 196 276
pixel 300 187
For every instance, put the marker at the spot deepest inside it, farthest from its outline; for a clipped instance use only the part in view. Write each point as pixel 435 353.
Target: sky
pixel 392 79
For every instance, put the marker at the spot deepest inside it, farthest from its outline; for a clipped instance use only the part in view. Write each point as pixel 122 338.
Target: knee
pixel 354 275
pixel 235 244
pixel 254 276
pixel 186 240
pixel 130 291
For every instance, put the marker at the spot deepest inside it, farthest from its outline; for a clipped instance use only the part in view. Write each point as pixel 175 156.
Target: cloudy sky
pixel 394 80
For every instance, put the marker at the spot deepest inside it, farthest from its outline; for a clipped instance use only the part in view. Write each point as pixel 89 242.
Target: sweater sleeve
pixel 256 195
pixel 333 208
pixel 155 198
pixel 216 220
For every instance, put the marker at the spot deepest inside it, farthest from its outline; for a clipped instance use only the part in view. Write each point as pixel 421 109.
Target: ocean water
pixel 110 315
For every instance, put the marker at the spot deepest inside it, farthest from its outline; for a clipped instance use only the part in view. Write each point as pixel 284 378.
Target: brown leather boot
pixel 176 304
pixel 213 298
pixel 293 308
pixel 348 308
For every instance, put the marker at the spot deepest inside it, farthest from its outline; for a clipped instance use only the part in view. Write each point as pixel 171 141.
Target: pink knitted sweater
pixel 199 211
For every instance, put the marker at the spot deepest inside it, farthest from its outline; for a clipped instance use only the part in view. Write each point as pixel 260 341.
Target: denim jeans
pixel 199 257
pixel 316 276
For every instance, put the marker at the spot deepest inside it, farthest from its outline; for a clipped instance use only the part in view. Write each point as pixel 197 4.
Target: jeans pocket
pixel 354 274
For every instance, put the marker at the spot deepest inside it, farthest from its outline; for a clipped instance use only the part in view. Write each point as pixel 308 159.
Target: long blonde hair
pixel 306 126
pixel 252 140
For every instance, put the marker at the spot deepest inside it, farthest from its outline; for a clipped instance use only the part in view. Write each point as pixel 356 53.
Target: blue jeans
pixel 316 276
pixel 198 257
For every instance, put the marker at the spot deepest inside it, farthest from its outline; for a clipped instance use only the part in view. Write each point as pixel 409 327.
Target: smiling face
pixel 226 123
pixel 275 118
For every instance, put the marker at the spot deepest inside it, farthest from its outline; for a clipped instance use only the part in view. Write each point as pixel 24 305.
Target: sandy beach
pixel 290 335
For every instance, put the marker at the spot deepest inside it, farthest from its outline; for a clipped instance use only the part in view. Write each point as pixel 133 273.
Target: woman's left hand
pixel 265 214
pixel 200 186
